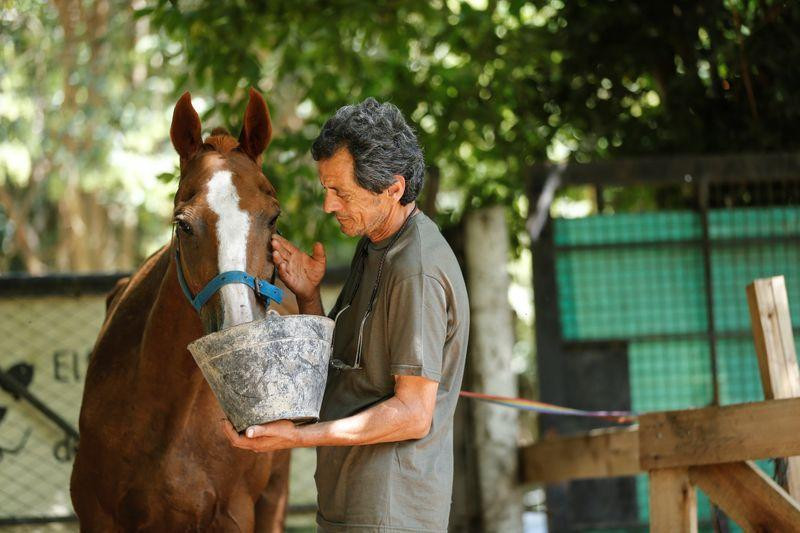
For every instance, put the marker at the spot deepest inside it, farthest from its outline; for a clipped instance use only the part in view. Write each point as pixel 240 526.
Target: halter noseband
pixel 266 290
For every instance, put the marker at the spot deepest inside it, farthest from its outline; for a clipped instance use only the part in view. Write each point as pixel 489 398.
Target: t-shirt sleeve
pixel 417 326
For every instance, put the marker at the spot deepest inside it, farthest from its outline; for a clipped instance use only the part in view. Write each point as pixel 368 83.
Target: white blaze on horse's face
pixel 233 225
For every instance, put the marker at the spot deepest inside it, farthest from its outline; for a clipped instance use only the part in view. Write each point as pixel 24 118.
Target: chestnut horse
pixel 152 455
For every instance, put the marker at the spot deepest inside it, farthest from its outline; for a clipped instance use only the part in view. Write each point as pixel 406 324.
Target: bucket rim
pixel 248 347
pixel 327 322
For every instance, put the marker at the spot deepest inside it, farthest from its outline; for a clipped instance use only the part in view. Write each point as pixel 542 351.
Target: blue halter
pixel 264 289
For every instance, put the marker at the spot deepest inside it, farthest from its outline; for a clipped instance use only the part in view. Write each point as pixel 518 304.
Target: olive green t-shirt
pixel 419 327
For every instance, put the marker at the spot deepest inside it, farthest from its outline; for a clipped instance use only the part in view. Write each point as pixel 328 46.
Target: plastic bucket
pixel 269 369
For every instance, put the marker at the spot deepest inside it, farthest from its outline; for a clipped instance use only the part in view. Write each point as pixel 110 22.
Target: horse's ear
pixel 256 128
pixel 185 131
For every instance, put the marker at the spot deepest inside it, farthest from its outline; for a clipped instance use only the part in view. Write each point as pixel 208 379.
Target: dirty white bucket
pixel 269 369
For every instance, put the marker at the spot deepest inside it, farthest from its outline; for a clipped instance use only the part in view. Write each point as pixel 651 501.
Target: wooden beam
pixel 727 434
pixel 678 169
pixel 748 495
pixel 777 358
pixel 673 502
pixel 599 453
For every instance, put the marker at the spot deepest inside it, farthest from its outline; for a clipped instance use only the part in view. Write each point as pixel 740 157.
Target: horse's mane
pixel 220 141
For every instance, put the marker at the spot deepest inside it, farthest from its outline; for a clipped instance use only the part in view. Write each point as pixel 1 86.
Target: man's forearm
pixel 389 421
pixel 406 415
pixel 311 305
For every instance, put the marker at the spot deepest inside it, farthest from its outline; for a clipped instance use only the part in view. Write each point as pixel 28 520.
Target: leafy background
pixel 492 88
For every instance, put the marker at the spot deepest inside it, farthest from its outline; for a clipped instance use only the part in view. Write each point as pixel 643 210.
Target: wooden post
pixel 673 501
pixel 777 359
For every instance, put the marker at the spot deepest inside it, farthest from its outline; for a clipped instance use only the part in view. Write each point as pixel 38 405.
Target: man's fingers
pixel 283 269
pixel 318 252
pixel 282 245
pixel 237 440
pixel 283 252
pixel 255 431
pixel 278 258
pixel 278 240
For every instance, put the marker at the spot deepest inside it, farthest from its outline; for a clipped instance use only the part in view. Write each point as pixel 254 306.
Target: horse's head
pixel 225 211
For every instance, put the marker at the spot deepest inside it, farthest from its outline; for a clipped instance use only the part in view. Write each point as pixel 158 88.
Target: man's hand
pixel 301 272
pixel 278 435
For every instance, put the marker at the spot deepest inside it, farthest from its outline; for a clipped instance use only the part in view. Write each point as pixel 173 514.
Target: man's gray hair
pixel 382 145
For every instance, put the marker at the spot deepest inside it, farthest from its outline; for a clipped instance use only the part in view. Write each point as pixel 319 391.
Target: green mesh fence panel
pixel 734 267
pixel 658 289
pixel 737 371
pixel 621 293
pixel 753 222
pixel 674 374
pixel 628 228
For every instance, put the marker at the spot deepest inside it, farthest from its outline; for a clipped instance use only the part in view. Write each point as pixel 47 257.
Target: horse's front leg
pixel 273 501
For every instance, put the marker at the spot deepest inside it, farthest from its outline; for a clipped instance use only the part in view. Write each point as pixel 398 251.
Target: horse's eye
pixel 184 226
pixel 273 220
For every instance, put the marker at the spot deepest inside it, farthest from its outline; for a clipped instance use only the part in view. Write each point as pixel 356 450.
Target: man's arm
pixel 406 415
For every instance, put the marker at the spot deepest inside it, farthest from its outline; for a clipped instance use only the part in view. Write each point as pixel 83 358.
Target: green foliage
pixel 495 88
pixel 491 86
pixel 414 54
pixel 676 76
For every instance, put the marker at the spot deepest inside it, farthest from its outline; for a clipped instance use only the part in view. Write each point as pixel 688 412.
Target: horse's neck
pixel 172 323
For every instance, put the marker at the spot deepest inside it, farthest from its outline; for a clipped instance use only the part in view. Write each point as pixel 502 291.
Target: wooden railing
pixel 711 448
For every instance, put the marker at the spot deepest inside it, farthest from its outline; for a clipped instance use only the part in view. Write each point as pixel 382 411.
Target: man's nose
pixel 330 204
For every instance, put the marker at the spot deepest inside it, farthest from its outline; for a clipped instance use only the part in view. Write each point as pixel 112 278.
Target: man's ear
pixel 398 188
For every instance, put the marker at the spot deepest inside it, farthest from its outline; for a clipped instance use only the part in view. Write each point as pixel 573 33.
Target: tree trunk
pixel 491 342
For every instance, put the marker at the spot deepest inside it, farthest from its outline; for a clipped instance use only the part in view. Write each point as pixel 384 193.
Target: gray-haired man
pixel 385 439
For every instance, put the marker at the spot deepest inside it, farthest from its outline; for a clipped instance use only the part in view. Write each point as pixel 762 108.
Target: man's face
pixel 357 209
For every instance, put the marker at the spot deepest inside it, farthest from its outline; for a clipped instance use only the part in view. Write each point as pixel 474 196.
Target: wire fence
pixel 47 331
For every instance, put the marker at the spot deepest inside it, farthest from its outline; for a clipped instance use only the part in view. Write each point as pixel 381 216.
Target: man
pixel 385 437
